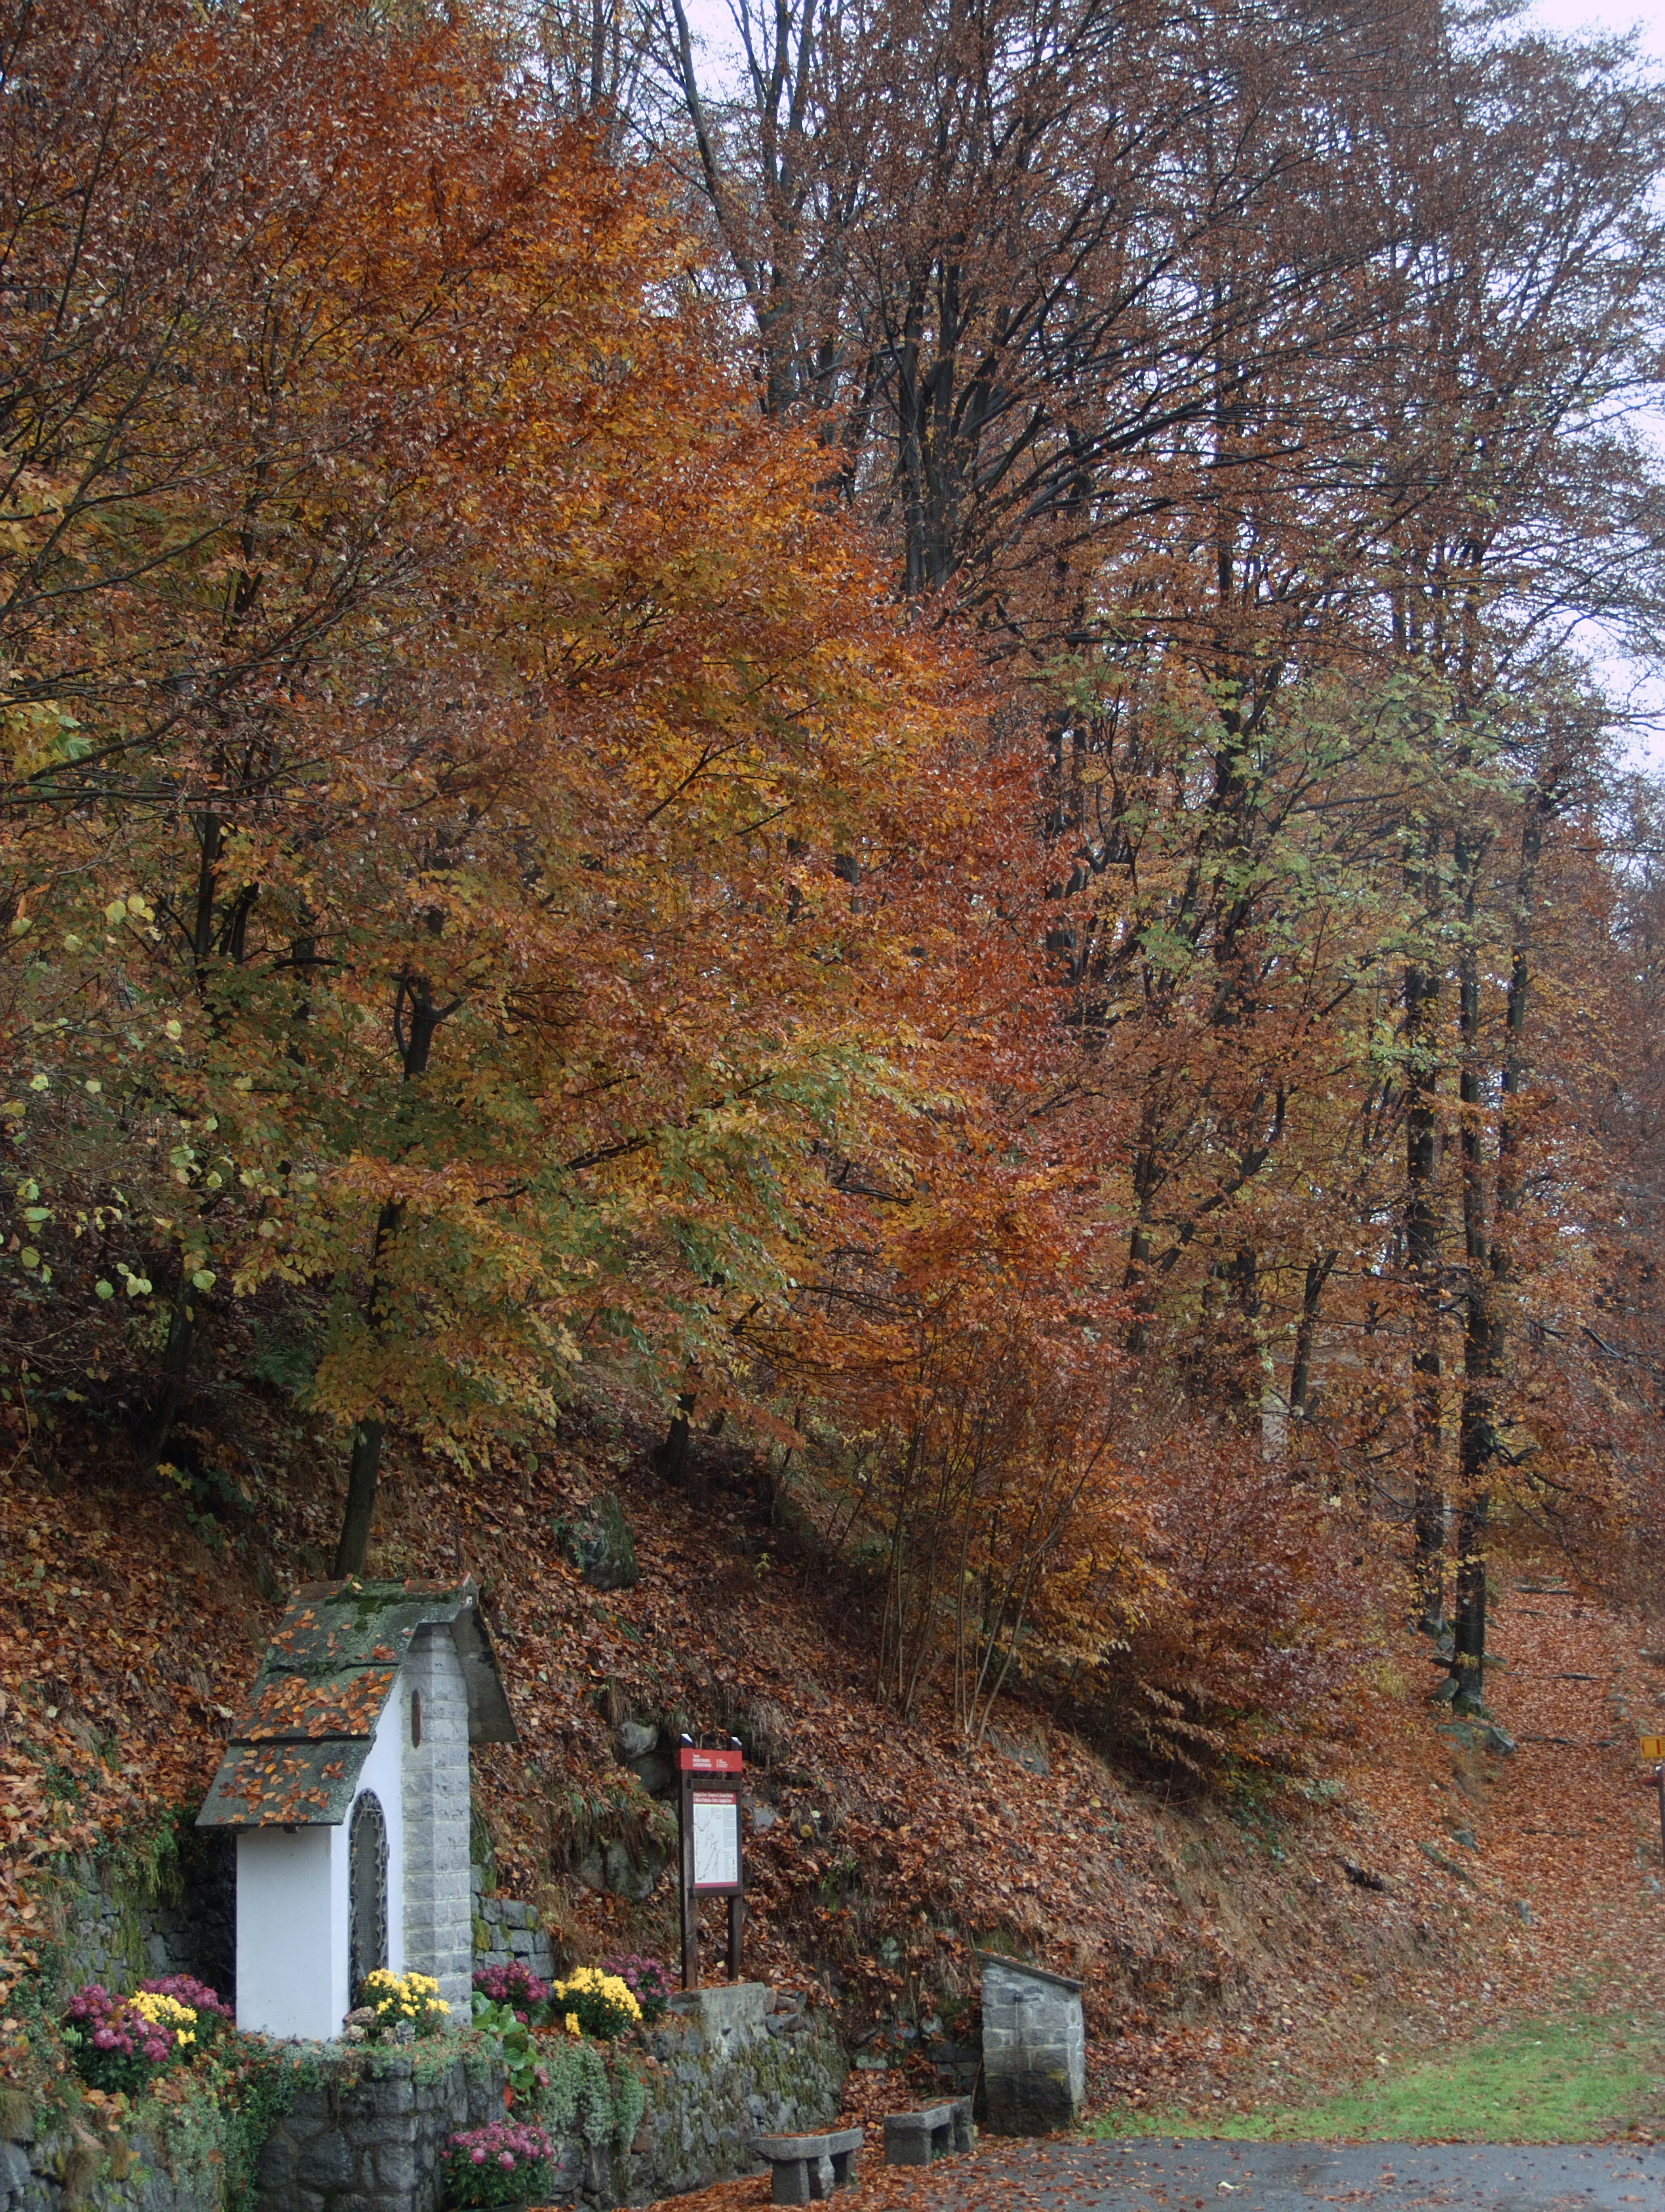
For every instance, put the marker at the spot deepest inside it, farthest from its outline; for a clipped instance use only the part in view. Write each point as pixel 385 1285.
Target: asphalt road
pixel 1162 2175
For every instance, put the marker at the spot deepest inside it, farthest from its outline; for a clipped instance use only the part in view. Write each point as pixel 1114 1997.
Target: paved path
pixel 1162 2175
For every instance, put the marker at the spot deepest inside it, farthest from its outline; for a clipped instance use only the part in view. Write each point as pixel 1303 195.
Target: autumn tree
pixel 477 961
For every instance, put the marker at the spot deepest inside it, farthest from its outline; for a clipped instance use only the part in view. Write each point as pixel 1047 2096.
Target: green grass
pixel 1560 2081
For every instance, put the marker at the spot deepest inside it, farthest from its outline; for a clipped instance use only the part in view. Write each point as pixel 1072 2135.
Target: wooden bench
pixel 807 2168
pixel 915 2138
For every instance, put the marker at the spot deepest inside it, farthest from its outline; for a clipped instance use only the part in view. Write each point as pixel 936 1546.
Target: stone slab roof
pixel 299 1743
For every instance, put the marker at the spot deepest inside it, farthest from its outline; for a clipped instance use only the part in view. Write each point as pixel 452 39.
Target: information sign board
pixel 709 1799
pixel 716 1840
pixel 1652 1747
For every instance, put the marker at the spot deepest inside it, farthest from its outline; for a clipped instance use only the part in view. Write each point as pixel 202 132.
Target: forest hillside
pixel 1244 1950
pixel 881 795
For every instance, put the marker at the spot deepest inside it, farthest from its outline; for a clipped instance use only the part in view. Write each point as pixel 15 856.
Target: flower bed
pixel 120 2042
pixel 408 2002
pixel 506 2163
pixel 594 2002
pixel 648 1982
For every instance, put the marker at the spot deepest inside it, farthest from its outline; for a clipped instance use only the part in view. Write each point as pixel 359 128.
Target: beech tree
pixel 911 750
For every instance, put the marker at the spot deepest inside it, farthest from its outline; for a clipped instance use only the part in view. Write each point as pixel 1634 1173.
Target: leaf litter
pixel 1234 1961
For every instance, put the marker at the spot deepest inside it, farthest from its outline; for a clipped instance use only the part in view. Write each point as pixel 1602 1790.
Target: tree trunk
pixel 670 1461
pixel 1475 1430
pixel 358 1517
pixel 1307 1330
pixel 354 1548
pixel 1422 1259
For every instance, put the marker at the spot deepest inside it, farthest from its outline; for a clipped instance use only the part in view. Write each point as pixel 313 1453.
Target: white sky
pixel 1566 17
pixel 1569 18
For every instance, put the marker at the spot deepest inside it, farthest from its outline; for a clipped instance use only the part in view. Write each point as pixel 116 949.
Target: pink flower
pixel 506 2160
pixel 478 2155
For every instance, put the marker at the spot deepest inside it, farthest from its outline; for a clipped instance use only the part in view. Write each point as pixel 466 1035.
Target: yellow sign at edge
pixel 1651 1747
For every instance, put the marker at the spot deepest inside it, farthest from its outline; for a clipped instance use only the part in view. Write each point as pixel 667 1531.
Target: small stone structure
pixel 346 1784
pixel 805 2169
pixel 1034 2048
pixel 937 2132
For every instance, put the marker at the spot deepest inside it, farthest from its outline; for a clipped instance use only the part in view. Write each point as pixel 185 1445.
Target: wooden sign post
pixel 1653 1746
pixel 709 1805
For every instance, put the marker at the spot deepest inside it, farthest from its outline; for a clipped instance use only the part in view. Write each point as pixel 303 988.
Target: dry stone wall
pixel 38 2170
pixel 731 2062
pixel 112 1933
pixel 505 1929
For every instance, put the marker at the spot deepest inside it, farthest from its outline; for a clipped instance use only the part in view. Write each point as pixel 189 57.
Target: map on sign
pixel 716 1839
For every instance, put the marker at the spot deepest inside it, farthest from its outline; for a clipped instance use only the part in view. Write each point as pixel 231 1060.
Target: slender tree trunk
pixel 204 917
pixel 1489 1265
pixel 364 1470
pixel 1422 1258
pixel 1307 1330
pixel 1480 1349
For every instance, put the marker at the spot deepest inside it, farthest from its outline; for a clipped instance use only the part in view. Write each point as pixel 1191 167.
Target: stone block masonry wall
pixel 734 2062
pixel 365 2134
pixel 439 1936
pixel 112 1934
pixel 505 1929
pixel 731 2063
pixel 35 2169
pixel 1034 2048
pixel 368 2137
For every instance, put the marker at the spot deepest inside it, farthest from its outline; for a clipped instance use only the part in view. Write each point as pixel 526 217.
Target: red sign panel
pixel 708 1762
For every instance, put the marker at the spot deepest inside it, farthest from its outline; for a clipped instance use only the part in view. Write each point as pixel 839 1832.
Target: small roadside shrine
pixel 347 1781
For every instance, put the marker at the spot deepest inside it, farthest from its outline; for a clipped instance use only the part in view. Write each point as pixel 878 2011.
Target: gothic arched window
pixel 367 1912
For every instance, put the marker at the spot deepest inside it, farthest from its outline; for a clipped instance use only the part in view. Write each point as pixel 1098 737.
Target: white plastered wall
pixel 438 1925
pixel 293 1888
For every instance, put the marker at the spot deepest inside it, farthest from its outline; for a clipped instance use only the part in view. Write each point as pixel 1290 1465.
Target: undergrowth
pixel 1567 2079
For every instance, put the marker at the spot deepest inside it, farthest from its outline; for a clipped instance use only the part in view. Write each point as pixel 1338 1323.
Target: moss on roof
pixel 299 1744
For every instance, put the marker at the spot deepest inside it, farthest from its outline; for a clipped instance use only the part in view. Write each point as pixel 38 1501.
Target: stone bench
pixel 915 2138
pixel 807 2168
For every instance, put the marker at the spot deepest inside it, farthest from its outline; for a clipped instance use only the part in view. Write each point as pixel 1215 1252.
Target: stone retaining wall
pixel 33 2171
pixel 505 1930
pixel 733 2061
pixel 114 1935
pixel 370 2141
pixel 729 2063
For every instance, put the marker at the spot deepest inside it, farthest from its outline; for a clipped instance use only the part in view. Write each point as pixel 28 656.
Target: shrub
pixel 648 1981
pixel 515 1986
pixel 402 1999
pixel 213 2013
pixel 123 2043
pixel 502 2164
pixel 520 2056
pixel 600 2003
